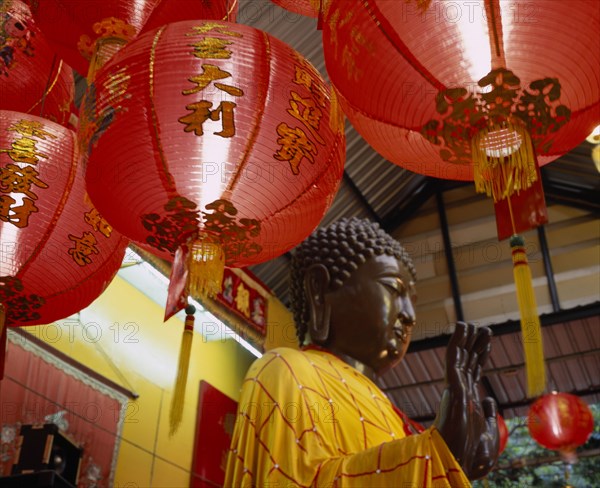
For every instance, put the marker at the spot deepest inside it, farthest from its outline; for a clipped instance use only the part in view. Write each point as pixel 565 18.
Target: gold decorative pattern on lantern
pixel 109 28
pixel 497 127
pixel 15 179
pixel 18 307
pixel 235 236
pixel 165 233
pixel 217 220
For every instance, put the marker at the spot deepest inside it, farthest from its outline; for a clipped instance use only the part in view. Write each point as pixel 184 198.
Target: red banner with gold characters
pixel 246 298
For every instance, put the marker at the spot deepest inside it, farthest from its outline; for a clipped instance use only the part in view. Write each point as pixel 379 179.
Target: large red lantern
pixel 32 78
pixel 452 91
pixel 560 421
pixel 58 253
pixel 211 137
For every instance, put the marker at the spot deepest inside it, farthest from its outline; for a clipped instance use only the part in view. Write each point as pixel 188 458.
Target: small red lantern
pixel 213 140
pixel 32 78
pixel 88 33
pixel 58 253
pixel 169 11
pixel 560 421
pixel 502 432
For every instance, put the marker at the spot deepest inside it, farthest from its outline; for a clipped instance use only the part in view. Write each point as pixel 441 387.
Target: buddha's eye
pixel 394 284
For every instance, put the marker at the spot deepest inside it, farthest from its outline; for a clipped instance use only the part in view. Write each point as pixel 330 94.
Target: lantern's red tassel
pixel 178 400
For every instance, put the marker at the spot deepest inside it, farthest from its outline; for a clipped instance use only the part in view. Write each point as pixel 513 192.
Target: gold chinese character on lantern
pixel 117 84
pixel 209 74
pixel 31 128
pixel 98 223
pixel 201 111
pixel 14 179
pixel 23 150
pixel 84 246
pixel 212 48
pixel 303 78
pixel 213 27
pixel 16 215
pixel 306 111
pixel 295 146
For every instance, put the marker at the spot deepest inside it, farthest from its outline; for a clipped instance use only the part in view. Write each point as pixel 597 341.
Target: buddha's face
pixel 372 314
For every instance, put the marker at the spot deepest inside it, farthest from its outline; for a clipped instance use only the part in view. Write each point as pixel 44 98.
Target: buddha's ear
pixel 316 284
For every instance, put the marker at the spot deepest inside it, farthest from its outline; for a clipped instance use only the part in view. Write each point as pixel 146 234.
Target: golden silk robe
pixel 306 418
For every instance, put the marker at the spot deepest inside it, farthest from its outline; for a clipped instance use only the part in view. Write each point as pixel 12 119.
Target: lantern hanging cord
pixel 510 213
pixel 494 21
pixel 49 83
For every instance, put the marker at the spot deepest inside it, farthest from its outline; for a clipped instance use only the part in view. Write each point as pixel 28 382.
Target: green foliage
pixel 522 449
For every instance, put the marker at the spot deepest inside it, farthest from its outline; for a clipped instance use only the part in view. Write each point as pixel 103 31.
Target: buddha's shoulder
pixel 285 359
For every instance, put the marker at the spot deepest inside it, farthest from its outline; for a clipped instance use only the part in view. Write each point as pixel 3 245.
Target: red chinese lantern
pixel 214 139
pixel 449 90
pixel 169 11
pixel 32 79
pixel 211 144
pixel 561 422
pixel 58 253
pixel 502 433
pixel 88 33
pixel 483 91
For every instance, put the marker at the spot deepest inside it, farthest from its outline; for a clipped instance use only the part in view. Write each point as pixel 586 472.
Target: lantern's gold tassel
pixel 105 48
pixel 504 160
pixel 178 400
pixel 316 5
pixel 530 322
pixel 336 116
pixel 206 264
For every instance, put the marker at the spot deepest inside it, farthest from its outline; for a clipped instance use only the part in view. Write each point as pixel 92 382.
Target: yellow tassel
pixel 105 48
pixel 205 264
pixel 530 322
pixel 336 116
pixel 178 400
pixel 503 160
